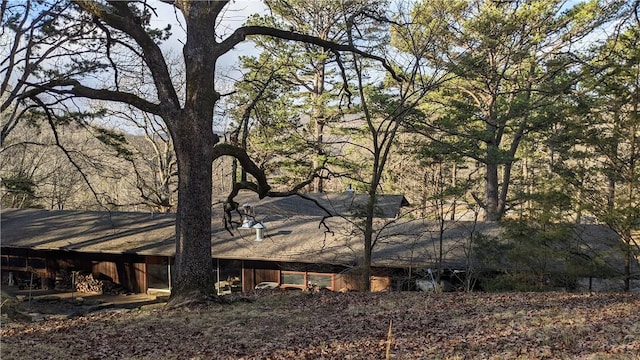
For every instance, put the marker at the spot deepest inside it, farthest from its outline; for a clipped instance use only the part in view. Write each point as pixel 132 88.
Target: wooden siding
pixel 127 270
pixel 248 279
pixel 262 275
pixel 106 269
pixel 345 282
pixel 342 283
pixel 131 276
pixel 252 277
pixel 140 273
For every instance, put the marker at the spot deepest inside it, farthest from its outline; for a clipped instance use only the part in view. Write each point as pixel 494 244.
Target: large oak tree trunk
pixel 194 142
pixel 193 274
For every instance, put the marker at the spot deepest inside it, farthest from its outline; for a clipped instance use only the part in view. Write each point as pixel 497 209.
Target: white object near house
pixel 259 231
pixel 248 221
pixel 426 285
pixel 267 285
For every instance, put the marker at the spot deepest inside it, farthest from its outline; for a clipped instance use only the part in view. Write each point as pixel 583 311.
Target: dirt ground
pixel 39 304
pixel 295 325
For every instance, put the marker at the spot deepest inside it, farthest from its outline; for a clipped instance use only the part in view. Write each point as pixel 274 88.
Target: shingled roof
pixel 287 237
pixel 296 230
pixel 88 231
pixel 347 204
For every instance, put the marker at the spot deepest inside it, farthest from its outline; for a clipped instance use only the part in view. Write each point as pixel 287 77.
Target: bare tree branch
pixel 240 35
pixel 74 87
pixel 124 20
pixel 50 116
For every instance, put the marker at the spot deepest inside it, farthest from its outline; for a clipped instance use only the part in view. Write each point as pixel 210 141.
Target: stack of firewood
pixel 111 288
pixel 86 283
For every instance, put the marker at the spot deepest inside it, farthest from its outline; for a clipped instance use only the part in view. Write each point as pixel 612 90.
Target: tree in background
pixel 385 108
pixel 70 166
pixel 314 75
pixel 34 35
pixel 151 156
pixel 19 170
pixel 267 122
pixel 509 59
pixel 601 143
pixel 148 148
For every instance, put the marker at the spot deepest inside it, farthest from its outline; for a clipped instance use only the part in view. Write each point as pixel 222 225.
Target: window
pixel 291 278
pixel 303 279
pixel 158 276
pixel 322 281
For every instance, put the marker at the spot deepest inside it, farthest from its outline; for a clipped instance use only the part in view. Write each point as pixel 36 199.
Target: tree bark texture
pixel 368 241
pixel 193 266
pixel 194 141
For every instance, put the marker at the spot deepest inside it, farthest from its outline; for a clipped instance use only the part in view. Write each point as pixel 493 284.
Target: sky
pixel 234 16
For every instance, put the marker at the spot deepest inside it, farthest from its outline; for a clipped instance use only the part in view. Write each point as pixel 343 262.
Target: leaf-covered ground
pixel 348 326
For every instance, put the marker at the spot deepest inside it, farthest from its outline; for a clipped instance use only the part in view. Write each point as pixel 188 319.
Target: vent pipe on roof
pixel 259 231
pixel 249 222
pixel 247 216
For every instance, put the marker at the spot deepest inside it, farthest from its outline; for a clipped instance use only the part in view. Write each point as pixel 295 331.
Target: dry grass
pixel 349 326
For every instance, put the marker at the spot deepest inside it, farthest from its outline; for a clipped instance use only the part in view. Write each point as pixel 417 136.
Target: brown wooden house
pixel 136 250
pixel 289 241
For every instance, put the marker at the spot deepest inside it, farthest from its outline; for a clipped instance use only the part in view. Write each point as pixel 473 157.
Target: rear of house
pixel 298 247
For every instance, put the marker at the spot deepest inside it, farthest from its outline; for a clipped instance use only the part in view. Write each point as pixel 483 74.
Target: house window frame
pixel 148 273
pixel 306 275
